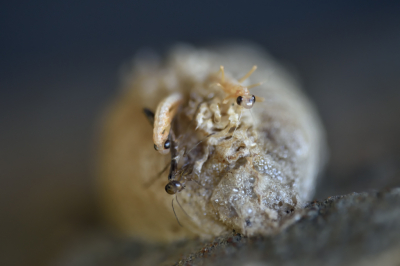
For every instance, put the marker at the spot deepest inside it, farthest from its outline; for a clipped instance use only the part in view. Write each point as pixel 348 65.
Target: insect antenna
pixel 175 213
pixel 197 182
pixel 251 154
pixel 176 197
pixel 248 74
pixel 220 85
pixel 151 181
pixel 199 143
pixel 255 85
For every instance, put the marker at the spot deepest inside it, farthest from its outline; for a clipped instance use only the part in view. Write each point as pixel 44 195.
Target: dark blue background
pixel 59 67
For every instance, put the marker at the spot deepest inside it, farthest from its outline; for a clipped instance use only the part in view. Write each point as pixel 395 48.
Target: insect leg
pixel 150 182
pixel 254 85
pixel 221 68
pixel 149 115
pixel 175 213
pixel 176 197
pixel 240 116
pixel 199 143
pixel 226 99
pixel 248 74
pixel 259 99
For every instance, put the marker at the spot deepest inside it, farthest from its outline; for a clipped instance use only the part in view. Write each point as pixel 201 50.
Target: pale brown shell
pixel 253 172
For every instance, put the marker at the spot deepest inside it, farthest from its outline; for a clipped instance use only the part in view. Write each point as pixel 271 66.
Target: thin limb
pixel 181 206
pixel 221 68
pixel 194 117
pixel 226 99
pixel 150 182
pixel 184 136
pixel 225 89
pixel 254 85
pixel 259 99
pixel 199 142
pixel 252 116
pixel 174 155
pixel 149 115
pixel 240 116
pixel 175 213
pixel 182 173
pixel 251 112
pixel 220 85
pixel 251 155
pixel 197 182
pixel 248 74
pixel 233 133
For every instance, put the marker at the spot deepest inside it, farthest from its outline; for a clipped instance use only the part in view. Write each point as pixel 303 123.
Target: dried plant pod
pixel 250 171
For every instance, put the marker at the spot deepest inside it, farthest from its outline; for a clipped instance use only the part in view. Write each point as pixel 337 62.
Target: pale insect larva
pixel 250 174
pixel 165 112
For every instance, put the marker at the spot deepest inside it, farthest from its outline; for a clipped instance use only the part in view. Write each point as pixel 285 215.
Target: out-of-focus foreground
pixel 60 66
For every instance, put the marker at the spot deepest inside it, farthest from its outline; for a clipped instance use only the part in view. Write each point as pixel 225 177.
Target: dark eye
pixel 173 187
pixel 155 147
pixel 167 144
pixel 169 189
pixel 239 100
pixel 253 98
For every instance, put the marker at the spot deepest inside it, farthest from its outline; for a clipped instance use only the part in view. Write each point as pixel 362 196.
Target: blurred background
pixel 60 65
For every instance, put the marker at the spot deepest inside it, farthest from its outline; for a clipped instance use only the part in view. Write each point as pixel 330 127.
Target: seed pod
pixel 252 169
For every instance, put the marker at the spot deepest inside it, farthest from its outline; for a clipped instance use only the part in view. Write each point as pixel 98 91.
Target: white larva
pixel 250 174
pixel 164 114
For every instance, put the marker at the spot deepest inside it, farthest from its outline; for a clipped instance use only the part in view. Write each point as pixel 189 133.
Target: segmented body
pixel 165 112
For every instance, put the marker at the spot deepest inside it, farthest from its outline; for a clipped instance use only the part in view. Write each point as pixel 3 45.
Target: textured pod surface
pixel 255 169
